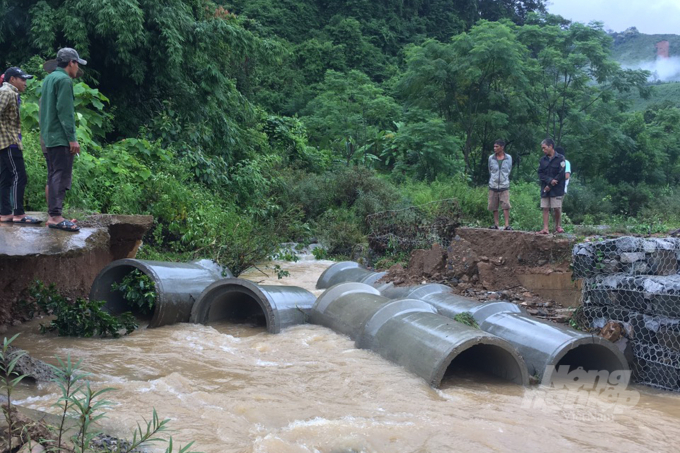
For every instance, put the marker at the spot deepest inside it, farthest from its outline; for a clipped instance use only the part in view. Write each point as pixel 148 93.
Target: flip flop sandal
pixel 7 221
pixel 28 221
pixel 542 232
pixel 559 230
pixel 493 227
pixel 65 225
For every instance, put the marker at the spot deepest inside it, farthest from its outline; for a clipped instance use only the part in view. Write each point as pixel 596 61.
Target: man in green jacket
pixel 58 130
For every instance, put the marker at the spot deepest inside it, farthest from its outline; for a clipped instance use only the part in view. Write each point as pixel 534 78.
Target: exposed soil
pixel 486 264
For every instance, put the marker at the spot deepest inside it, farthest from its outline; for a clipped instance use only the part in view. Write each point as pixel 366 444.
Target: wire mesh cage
pixel 415 227
pixel 631 294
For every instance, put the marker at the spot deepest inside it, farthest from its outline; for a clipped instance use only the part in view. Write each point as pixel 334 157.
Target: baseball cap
pixel 67 54
pixel 50 65
pixel 16 72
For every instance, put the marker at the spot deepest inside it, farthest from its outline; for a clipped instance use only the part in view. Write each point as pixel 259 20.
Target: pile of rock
pixel 634 282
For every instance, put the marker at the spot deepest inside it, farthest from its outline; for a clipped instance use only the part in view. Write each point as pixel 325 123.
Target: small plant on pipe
pixel 467 319
pixel 138 290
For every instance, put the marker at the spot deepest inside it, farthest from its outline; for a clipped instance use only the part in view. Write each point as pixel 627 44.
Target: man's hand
pixel 75 147
pixel 553 182
pixel 546 189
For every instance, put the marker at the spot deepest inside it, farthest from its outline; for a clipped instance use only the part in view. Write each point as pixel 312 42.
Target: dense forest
pixel 242 124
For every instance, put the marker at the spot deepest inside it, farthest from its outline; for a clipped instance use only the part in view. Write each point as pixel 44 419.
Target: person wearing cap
pixel 13 177
pixel 58 130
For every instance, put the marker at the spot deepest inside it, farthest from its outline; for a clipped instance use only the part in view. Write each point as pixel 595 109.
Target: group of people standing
pixel 554 171
pixel 57 138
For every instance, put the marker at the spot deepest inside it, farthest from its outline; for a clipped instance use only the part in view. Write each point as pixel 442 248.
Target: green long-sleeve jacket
pixel 57 117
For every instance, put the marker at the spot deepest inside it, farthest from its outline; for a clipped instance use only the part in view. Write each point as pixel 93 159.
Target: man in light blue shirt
pixel 567 168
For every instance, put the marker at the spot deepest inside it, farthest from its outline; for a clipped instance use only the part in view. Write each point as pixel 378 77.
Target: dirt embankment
pixel 499 265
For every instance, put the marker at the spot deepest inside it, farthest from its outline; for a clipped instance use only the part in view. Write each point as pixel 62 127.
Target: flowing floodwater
pixel 234 388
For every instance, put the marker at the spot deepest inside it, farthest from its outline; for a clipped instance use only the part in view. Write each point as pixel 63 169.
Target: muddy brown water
pixel 236 388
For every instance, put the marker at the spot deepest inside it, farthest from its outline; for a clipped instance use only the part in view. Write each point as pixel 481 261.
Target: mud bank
pixel 526 268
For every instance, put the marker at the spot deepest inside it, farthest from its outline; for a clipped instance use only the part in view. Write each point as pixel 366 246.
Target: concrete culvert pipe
pixel 546 346
pixel 347 271
pixel 357 310
pixel 241 301
pixel 346 307
pixel 410 333
pixel 432 346
pixel 177 286
pixel 543 345
pixel 447 303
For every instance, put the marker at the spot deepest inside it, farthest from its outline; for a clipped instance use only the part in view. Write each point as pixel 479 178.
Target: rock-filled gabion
pixel 631 290
pixel 627 256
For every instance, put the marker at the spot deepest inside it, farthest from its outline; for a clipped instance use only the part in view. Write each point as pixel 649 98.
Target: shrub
pixel 472 200
pixel 81 318
pixel 588 204
pixel 339 231
pixel 138 290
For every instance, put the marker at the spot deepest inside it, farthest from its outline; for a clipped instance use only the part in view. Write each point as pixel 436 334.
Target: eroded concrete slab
pixel 69 260
pixel 30 240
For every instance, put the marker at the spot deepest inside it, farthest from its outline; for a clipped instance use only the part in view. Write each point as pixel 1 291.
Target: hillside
pixel 663 94
pixel 632 46
pixel 636 50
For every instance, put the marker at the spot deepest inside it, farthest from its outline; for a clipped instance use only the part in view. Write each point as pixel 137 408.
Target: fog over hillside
pixel 662 69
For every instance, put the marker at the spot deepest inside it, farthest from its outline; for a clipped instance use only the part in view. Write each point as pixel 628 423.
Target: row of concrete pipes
pixel 411 326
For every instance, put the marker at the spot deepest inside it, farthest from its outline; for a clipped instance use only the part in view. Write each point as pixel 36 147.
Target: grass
pixel 524 198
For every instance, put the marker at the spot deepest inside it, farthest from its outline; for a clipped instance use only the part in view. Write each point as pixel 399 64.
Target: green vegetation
pixel 632 46
pixel 662 95
pixel 79 318
pixel 467 319
pixel 579 321
pixel 138 290
pixel 241 125
pixel 9 379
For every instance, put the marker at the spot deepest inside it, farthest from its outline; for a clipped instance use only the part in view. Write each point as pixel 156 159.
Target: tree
pixel 477 83
pixel 574 72
pixel 172 66
pixel 348 113
pixel 424 148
